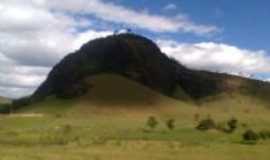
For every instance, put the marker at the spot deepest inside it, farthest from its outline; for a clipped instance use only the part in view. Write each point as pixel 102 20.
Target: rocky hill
pixel 139 59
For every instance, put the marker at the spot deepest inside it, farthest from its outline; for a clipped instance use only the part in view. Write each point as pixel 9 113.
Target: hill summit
pixel 129 55
pixel 139 59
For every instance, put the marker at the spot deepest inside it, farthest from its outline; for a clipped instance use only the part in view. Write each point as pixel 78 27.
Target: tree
pixel 152 122
pixel 232 124
pixel 250 135
pixel 170 124
pixel 206 124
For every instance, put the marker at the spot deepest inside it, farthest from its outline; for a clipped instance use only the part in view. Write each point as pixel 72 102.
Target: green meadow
pixel 100 126
pixel 85 132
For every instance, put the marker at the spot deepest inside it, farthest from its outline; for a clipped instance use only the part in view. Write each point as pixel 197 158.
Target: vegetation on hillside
pixel 4 100
pixel 134 104
pixel 139 59
pixel 5 104
pixel 80 129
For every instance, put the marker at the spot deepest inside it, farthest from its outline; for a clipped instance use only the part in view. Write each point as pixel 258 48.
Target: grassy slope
pixel 4 100
pixel 4 103
pixel 101 126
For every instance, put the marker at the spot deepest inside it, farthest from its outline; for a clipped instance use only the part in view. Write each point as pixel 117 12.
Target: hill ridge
pixel 139 59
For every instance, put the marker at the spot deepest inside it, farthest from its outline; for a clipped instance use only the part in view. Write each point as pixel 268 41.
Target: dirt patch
pixel 27 115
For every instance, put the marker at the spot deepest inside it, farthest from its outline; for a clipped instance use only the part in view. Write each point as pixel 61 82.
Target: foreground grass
pixel 82 131
pixel 47 137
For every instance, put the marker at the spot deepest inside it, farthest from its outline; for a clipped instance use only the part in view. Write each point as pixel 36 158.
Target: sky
pixel 217 35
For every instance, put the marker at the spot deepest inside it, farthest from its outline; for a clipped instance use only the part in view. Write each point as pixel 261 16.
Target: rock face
pixel 138 59
pixel 129 55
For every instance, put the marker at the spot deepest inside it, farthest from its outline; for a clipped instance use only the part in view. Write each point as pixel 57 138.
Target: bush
pixel 222 126
pixel 5 108
pixel 264 134
pixel 152 122
pixel 58 115
pixel 206 124
pixel 170 124
pixel 19 103
pixel 250 135
pixel 232 124
pixel 66 129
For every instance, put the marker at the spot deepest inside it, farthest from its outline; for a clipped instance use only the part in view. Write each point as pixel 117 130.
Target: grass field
pixel 89 128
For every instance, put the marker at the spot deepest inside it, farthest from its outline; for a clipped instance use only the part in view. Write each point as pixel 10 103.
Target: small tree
pixel 232 124
pixel 250 135
pixel 264 134
pixel 206 124
pixel 170 124
pixel 152 122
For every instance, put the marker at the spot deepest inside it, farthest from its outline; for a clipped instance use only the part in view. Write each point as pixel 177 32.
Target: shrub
pixel 152 122
pixel 222 126
pixel 5 108
pixel 206 124
pixel 66 129
pixel 58 115
pixel 232 124
pixel 250 135
pixel 19 103
pixel 264 134
pixel 170 124
pixel 244 125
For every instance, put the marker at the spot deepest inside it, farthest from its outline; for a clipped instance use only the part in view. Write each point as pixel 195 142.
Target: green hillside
pixel 113 91
pixel 118 98
pixel 107 91
pixel 111 124
pixel 139 59
pixel 4 100
pixel 4 105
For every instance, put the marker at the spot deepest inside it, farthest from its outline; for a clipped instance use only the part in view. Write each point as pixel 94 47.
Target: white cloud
pixel 14 92
pixel 218 57
pixel 36 34
pixel 33 39
pixel 16 77
pixel 31 34
pixel 170 6
pixel 22 73
pixel 88 35
pixel 120 14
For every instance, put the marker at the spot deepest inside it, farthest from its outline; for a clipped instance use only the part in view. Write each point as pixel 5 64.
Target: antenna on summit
pixel 123 30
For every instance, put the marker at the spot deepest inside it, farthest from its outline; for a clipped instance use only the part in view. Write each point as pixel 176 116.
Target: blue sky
pixel 242 23
pixel 216 35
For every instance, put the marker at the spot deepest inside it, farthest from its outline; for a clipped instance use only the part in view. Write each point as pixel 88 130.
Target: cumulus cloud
pixel 88 35
pixel 33 39
pixel 23 72
pixel 120 14
pixel 13 92
pixel 217 57
pixel 32 35
pixel 17 80
pixel 36 34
